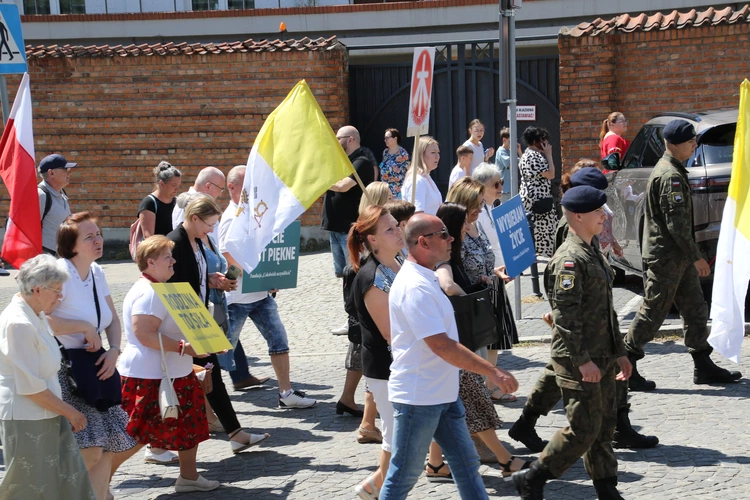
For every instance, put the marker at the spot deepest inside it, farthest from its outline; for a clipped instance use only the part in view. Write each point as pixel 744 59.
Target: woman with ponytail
pixel 611 141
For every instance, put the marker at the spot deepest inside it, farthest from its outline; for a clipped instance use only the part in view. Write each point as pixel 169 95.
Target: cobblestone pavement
pixel 312 453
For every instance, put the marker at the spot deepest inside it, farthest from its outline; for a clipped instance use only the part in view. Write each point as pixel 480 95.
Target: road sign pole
pixel 4 99
pixel 508 63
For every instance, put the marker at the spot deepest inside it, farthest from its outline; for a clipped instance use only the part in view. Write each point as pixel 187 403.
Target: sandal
pixel 373 436
pixel 507 471
pixel 363 493
pixel 255 439
pixel 434 476
pixel 503 398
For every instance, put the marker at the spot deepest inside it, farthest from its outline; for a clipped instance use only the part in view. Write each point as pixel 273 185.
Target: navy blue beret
pixel 678 131
pixel 583 199
pixel 589 176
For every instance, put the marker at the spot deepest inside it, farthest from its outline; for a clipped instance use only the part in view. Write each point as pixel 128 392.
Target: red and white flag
pixel 23 232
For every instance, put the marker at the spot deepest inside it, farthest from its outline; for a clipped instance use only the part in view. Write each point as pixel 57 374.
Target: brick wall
pixel 119 116
pixel 644 73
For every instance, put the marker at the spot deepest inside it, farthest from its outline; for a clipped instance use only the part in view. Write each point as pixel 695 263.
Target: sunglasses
pixel 498 184
pixel 443 234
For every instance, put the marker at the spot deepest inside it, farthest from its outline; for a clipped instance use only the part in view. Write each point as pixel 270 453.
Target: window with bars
pixel 205 4
pixel 72 6
pixel 36 7
pixel 241 4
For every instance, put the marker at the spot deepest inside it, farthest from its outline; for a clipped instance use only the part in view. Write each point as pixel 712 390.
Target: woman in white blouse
pixel 426 157
pixel 86 310
pixel 39 450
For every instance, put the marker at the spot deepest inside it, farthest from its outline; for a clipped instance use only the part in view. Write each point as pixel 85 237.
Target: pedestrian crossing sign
pixel 12 52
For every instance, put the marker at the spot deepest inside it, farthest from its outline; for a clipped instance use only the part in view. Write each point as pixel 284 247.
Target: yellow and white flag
pixel 295 159
pixel 732 263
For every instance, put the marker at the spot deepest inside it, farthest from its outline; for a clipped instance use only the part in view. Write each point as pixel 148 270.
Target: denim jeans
pixel 415 427
pixel 240 370
pixel 265 316
pixel 340 251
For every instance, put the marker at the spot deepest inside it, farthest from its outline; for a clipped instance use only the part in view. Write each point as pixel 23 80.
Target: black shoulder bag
pixel 475 318
pixel 82 368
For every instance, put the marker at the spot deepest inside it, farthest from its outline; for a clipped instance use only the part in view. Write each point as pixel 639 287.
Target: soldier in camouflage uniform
pixel 673 263
pixel 545 394
pixel 586 351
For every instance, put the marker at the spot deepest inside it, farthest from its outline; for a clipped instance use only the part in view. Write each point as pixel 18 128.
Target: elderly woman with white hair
pixel 41 454
pixel 491 178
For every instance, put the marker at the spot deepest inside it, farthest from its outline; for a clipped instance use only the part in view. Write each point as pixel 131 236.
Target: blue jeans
pixel 340 252
pixel 240 369
pixel 414 428
pixel 265 316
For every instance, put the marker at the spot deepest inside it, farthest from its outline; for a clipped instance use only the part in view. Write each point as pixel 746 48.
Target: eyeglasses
pixel 387 137
pixel 221 189
pixel 621 121
pixel 206 223
pixel 443 234
pixel 58 291
pixel 343 137
pixel 498 184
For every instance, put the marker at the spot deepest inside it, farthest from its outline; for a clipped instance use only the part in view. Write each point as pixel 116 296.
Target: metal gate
pixel 465 86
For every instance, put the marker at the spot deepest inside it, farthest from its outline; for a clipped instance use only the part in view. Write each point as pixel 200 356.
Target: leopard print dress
pixel 535 187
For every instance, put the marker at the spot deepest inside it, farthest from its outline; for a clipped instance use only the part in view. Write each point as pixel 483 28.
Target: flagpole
pixel 4 99
pixel 362 187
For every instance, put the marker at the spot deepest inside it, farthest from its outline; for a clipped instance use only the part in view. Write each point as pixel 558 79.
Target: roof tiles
pixel 674 20
pixel 171 48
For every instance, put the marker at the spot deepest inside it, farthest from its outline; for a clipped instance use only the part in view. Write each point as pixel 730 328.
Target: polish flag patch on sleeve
pixel 569 264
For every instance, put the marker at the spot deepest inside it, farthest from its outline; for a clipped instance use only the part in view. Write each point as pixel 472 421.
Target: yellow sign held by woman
pixel 192 317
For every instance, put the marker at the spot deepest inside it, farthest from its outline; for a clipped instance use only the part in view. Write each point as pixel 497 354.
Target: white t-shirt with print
pixel 78 302
pixel 137 360
pixel 235 297
pixel 420 309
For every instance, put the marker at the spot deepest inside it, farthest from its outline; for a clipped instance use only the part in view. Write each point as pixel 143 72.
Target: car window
pixel 718 144
pixel 654 148
pixel 635 151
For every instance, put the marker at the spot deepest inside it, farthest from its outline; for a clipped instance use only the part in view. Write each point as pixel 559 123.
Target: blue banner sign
pixel 514 235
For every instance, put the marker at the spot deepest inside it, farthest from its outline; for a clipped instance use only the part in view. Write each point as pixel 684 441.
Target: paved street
pixel 312 453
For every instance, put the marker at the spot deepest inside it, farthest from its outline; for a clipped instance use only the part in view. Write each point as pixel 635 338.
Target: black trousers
pixel 218 397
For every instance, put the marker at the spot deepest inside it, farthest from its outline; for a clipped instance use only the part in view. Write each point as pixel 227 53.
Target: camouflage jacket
pixel 668 227
pixel 578 282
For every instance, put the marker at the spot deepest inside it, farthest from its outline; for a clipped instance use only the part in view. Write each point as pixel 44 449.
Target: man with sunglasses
pixel 210 181
pixel 427 356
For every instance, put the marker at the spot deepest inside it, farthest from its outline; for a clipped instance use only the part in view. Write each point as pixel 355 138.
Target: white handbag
pixel 169 405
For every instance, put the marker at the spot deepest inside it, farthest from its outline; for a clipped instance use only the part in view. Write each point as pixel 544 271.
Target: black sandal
pixel 507 472
pixel 433 475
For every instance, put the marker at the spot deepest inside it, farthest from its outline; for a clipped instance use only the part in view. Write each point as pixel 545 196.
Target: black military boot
pixel 706 372
pixel 523 430
pixel 627 437
pixel 529 482
pixel 606 489
pixel 636 382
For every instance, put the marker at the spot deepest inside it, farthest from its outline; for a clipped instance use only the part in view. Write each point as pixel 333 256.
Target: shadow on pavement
pixel 234 492
pixel 678 455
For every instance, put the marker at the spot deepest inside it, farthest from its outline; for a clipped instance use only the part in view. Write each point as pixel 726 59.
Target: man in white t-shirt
pixel 423 385
pixel 259 307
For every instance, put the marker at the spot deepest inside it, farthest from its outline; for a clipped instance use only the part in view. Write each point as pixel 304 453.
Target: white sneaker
pixel 344 330
pixel 201 484
pixel 165 458
pixel 296 399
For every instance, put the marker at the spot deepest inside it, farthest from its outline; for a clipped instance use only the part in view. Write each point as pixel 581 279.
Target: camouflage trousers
pixel 546 393
pixel 670 281
pixel 592 418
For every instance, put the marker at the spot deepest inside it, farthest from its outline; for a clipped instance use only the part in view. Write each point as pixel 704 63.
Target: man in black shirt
pixel 341 201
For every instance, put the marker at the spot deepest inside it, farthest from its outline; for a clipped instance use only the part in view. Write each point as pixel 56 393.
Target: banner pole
pixel 362 187
pixel 414 170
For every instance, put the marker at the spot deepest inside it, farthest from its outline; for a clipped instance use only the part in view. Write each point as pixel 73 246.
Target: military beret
pixel 583 199
pixel 589 176
pixel 678 131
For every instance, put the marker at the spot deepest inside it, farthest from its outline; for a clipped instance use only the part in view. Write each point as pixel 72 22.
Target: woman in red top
pixel 610 136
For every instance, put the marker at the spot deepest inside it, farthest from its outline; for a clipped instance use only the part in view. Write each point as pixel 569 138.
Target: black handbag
pixel 475 318
pixel 543 206
pixel 81 371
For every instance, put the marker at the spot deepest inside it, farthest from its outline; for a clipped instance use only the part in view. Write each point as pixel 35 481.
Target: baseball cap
pixel 54 161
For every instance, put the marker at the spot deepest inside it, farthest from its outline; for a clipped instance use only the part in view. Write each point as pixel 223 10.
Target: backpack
pixel 136 232
pixel 48 200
